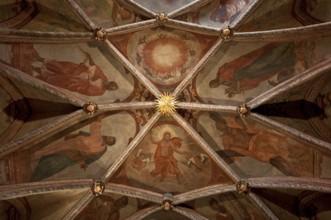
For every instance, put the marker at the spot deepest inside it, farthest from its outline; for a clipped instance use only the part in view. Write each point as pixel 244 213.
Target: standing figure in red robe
pixel 85 78
pixel 165 162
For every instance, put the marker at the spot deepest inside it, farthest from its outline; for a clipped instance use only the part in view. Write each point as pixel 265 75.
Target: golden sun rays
pixel 166 104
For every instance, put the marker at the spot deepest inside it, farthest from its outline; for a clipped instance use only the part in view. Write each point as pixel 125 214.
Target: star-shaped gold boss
pixel 166 104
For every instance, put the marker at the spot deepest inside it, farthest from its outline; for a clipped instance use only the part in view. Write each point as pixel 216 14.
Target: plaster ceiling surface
pixel 79 80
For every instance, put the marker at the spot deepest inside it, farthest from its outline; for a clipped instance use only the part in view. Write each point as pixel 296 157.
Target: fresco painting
pixel 74 69
pixel 260 67
pixel 307 109
pixel 92 147
pixel 51 16
pixel 324 97
pixel 291 109
pixel 318 9
pixel 52 205
pixel 257 150
pixel 161 215
pixel 5 118
pixel 14 110
pixel 113 207
pixel 168 160
pixel 84 149
pixel 311 11
pixel 107 13
pixel 271 15
pixel 292 203
pixel 227 206
pixel 108 206
pixel 217 13
pixel 166 6
pixel 165 56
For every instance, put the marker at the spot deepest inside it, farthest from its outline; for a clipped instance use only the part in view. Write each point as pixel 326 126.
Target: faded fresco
pixel 14 110
pixel 319 10
pixel 162 215
pixel 168 160
pixel 75 68
pixel 291 203
pixel 271 15
pixel 51 205
pixel 6 113
pixel 254 149
pixel 51 15
pixel 107 13
pixel 311 11
pixel 166 6
pixel 92 149
pixel 15 14
pixel 30 108
pixel 307 109
pixel 217 13
pixel 254 70
pixel 111 207
pixel 227 206
pixel 163 55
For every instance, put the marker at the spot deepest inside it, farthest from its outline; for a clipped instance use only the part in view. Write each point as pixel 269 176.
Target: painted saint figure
pixel 165 162
pixel 85 78
pixel 82 148
pixel 263 145
pixel 248 71
pixel 228 10
pixel 221 211
pixel 104 207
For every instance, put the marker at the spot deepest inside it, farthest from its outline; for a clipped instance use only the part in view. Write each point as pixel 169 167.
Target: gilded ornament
pixel 162 18
pixel 242 187
pixel 167 203
pixel 100 34
pixel 166 104
pixel 226 33
pixel 243 110
pixel 97 188
pixel 90 108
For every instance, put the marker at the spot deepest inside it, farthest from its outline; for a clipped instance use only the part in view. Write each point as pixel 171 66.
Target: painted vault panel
pixel 111 206
pixel 227 206
pixel 164 55
pixel 217 13
pixel 54 16
pixel 163 5
pixel 84 151
pixel 107 14
pixel 254 149
pixel 248 70
pixel 76 68
pixel 168 160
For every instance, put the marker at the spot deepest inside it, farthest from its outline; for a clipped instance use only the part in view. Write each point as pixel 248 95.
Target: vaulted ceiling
pixel 250 137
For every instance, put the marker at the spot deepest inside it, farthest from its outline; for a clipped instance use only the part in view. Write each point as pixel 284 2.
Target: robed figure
pixel 165 162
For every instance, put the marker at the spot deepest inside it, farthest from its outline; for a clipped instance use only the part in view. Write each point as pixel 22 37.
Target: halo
pixel 158 132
